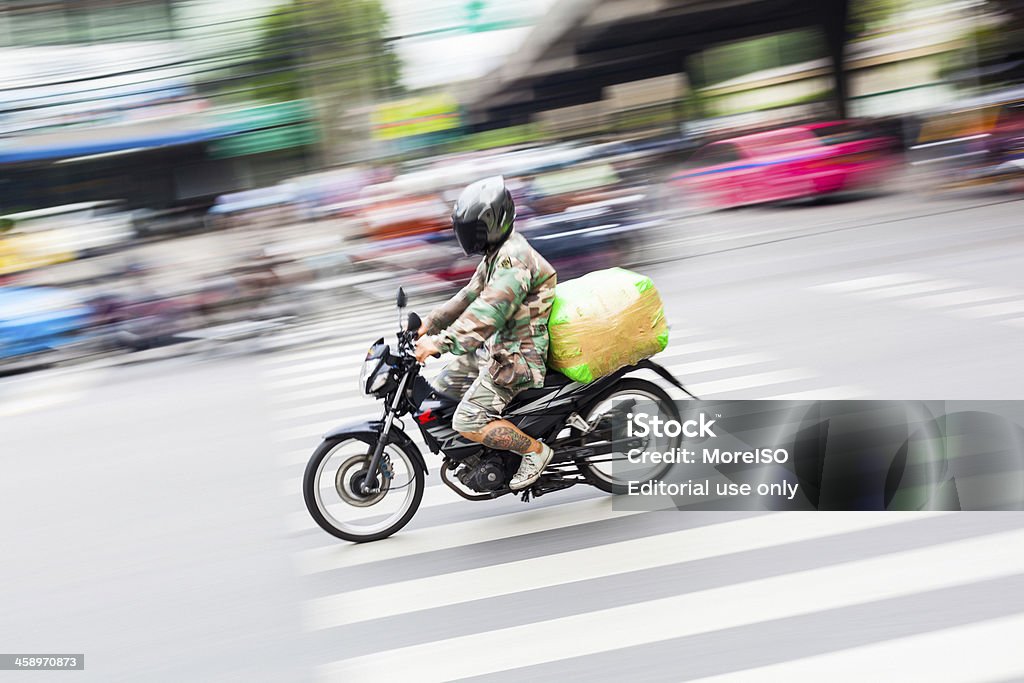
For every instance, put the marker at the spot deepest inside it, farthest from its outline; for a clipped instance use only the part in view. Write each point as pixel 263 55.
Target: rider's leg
pixel 478 418
pixel 504 436
pixel 458 376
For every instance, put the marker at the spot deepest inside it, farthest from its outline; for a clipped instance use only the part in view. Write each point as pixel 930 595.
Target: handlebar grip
pixel 436 355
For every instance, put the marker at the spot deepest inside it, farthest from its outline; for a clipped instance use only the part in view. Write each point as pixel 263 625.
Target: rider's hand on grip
pixel 426 348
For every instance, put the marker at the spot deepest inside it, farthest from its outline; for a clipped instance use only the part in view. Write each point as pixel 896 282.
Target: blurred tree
pixel 870 16
pixel 992 56
pixel 334 52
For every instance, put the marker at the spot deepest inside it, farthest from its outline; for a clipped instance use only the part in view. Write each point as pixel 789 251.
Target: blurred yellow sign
pixel 415 116
pixel 20 252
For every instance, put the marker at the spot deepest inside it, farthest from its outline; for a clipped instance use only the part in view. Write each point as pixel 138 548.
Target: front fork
pixel 382 440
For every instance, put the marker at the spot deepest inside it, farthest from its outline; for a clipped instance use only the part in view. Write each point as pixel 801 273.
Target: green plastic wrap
pixel 603 321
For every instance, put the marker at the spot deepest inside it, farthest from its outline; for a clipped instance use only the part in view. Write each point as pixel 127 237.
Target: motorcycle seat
pixel 552 380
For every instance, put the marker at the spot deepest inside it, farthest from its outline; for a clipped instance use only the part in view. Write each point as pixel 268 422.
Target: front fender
pixel 369 429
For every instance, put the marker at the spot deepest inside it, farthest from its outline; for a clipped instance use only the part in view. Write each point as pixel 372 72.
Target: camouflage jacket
pixel 504 307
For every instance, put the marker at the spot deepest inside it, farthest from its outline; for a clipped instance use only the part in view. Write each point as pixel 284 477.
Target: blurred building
pixel 123 99
pixel 757 61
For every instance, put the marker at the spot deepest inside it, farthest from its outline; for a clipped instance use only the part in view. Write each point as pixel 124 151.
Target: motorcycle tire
pixel 669 410
pixel 310 481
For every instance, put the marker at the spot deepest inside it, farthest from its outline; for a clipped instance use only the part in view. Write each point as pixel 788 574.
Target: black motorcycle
pixel 365 481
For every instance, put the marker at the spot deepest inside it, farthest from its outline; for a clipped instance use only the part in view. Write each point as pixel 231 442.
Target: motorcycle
pixel 365 480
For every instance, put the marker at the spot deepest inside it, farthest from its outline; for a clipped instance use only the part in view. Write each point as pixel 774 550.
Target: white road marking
pixel 343 407
pixel 674 350
pixel 840 393
pixel 869 282
pixel 343 377
pixel 959 298
pixel 992 310
pixel 347 356
pixel 914 288
pixel 987 650
pixel 817 590
pixel 689 545
pixel 332 388
pixel 338 556
pixel 719 363
pixel 37 391
pixel 331 348
pixel 703 389
pixel 432 497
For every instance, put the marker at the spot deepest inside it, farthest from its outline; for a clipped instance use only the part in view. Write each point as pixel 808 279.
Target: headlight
pixel 374 373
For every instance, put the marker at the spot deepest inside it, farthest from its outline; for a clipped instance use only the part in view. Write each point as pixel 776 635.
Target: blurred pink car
pixel 789 163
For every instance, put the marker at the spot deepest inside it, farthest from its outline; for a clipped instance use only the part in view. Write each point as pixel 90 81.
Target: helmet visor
pixel 471 235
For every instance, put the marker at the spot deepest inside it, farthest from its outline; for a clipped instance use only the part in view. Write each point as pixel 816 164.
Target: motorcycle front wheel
pixel 609 471
pixel 332 483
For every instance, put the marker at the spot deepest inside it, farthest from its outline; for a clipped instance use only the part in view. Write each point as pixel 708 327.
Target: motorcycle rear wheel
pixel 604 477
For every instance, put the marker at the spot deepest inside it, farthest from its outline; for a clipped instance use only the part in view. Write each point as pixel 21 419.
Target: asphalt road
pixel 153 518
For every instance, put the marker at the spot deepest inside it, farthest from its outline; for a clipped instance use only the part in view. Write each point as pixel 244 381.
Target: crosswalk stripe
pixel 992 310
pixel 339 406
pixel 675 350
pixel 952 297
pixel 869 282
pixel 718 363
pixel 432 460
pixel 389 599
pixel 298 456
pixel 315 429
pixel 348 355
pixel 913 288
pixel 326 348
pixel 339 375
pixel 935 656
pixel 432 497
pixel 39 391
pixel 344 375
pixel 804 592
pixel 969 296
pixel 339 556
pixel 332 388
pixel 839 393
pixel 720 386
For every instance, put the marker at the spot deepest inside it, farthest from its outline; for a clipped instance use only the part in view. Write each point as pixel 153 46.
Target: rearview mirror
pixel 401 300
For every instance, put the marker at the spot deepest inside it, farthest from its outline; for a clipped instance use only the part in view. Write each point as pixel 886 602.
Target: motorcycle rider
pixel 496 327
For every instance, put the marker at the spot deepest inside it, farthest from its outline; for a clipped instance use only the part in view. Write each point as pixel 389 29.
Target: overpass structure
pixel 583 46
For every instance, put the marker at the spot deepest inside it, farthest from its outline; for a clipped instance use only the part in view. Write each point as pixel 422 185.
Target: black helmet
pixel 483 215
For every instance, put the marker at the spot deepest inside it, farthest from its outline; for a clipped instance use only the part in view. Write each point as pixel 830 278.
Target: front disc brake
pixel 349 478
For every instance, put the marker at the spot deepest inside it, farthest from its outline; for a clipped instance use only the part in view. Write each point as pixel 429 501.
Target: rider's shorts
pixel 482 401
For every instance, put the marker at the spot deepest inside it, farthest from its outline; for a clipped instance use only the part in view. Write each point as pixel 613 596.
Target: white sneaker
pixel 530 469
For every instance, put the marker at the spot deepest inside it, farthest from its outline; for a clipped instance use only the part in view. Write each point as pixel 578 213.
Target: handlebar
pixel 407 337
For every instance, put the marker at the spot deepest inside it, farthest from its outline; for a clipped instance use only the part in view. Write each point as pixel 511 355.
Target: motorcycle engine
pixel 484 474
